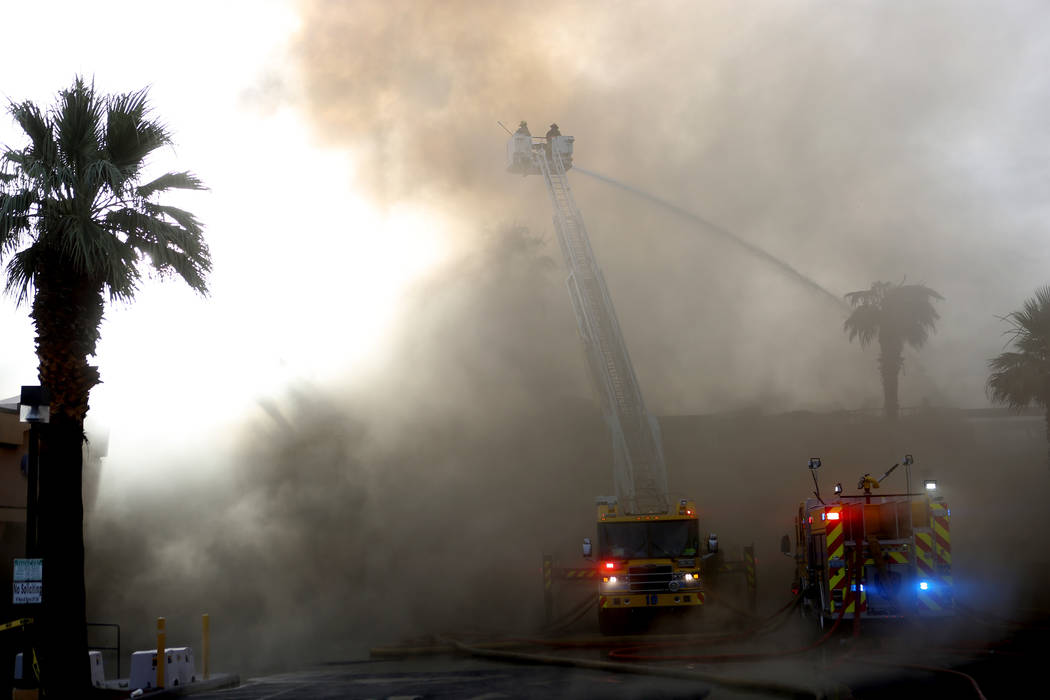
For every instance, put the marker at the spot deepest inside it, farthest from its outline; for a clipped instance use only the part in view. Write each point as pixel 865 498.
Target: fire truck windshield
pixel 648 540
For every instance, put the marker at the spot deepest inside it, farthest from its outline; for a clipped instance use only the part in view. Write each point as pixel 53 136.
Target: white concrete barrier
pixel 98 672
pixel 179 668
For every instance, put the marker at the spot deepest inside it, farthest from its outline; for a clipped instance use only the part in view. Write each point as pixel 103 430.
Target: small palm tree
pixel 77 226
pixel 1022 378
pixel 896 315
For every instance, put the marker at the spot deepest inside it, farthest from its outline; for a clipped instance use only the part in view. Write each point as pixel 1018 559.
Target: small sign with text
pixel 29 592
pixel 28 581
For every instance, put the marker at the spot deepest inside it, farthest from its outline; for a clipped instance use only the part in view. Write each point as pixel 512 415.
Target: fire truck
pixel 873 556
pixel 647 563
pixel 648 544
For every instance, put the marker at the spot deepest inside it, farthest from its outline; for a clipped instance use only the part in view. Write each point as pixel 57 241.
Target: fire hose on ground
pixel 625 656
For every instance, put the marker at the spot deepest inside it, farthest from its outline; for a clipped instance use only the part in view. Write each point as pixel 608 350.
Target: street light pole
pixel 33 476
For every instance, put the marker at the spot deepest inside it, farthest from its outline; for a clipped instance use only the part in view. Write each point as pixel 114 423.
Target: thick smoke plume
pixel 856 143
pixel 834 137
pixel 420 504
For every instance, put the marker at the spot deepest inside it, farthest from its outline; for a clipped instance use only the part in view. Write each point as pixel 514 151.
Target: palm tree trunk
pixel 67 311
pixel 890 368
pixel 62 641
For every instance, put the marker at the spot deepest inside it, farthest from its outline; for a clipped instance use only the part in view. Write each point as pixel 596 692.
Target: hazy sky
pixel 306 270
pixel 351 147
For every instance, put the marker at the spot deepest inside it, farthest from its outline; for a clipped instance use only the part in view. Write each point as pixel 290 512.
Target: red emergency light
pixel 833 516
pixel 610 565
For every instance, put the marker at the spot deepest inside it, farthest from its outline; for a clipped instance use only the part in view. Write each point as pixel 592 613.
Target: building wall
pixel 14 441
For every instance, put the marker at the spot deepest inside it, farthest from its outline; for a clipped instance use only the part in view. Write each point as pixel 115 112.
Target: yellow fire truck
pixel 648 544
pixel 873 556
pixel 647 563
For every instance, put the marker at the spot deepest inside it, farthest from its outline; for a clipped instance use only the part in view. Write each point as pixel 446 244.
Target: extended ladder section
pixel 640 475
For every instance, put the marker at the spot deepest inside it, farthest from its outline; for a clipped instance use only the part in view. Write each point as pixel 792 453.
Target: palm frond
pixel 130 136
pixel 171 247
pixel 893 313
pixel 170 181
pixel 103 172
pixel 20 270
pixel 1017 380
pixel 37 127
pixel 910 309
pixel 70 197
pixel 15 222
pixel 78 126
pixel 864 323
pixel 1022 377
pixel 183 218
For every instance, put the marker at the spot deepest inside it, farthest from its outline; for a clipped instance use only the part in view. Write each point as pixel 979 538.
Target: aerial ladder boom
pixel 639 471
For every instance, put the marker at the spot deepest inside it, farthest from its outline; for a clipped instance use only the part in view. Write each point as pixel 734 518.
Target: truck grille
pixel 649 578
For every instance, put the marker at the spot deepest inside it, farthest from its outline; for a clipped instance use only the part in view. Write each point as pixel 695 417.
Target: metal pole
pixel 548 596
pixel 33 477
pixel 162 648
pixel 749 573
pixel 907 476
pixel 206 641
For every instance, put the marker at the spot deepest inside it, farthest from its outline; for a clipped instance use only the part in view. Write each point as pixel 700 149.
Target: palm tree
pixel 896 315
pixel 77 226
pixel 1021 378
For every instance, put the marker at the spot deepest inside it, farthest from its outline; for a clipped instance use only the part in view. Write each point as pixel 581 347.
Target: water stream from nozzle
pixel 724 233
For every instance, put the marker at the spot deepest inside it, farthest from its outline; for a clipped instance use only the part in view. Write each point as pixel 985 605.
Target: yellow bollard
pixel 205 641
pixel 162 650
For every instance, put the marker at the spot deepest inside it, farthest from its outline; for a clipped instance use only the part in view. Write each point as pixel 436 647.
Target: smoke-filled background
pixel 350 502
pixel 858 142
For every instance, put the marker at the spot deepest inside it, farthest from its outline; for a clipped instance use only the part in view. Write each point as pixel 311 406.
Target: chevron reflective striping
pixel 836 535
pixel 940 531
pixel 929 603
pixel 835 539
pixel 749 563
pixel 891 556
pixel 851 606
pixel 924 552
pixel 943 552
pixel 942 535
